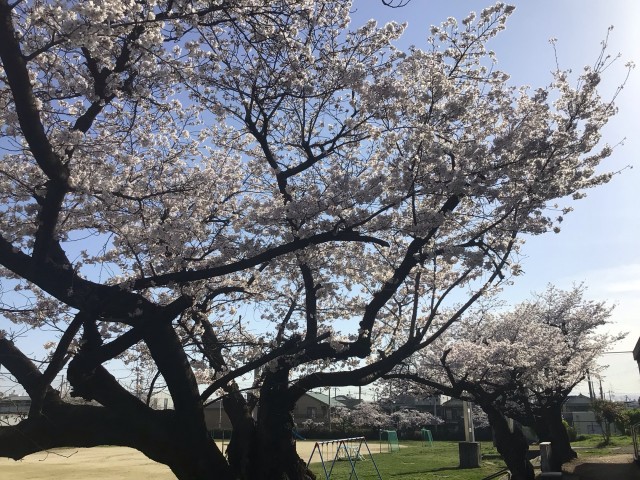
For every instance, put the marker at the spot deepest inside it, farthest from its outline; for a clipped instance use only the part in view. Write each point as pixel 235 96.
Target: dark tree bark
pixel 556 433
pixel 512 445
pixel 546 420
pixel 265 448
pixel 277 458
pixel 124 420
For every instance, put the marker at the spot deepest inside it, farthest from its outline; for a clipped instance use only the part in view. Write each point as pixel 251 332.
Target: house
pixel 315 406
pixel 311 406
pixel 577 412
pixel 13 409
pixel 216 418
pixel 160 401
pixel 348 401
pixel 576 403
pixel 15 405
pixel 451 413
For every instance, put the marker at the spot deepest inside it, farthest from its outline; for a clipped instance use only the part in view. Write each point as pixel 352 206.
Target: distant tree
pixel 572 345
pixel 372 416
pixel 607 413
pixel 521 364
pixel 411 419
pixel 255 186
pixel 628 418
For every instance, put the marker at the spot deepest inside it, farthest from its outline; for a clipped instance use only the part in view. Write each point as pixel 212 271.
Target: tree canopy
pixel 257 187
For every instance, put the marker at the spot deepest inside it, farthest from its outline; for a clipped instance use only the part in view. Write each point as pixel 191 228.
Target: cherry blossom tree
pixel 256 187
pixel 371 415
pixel 410 419
pixel 573 325
pixel 521 364
pixel 463 365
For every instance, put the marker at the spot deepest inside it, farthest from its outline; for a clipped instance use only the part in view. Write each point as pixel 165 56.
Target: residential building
pixel 13 409
pixel 311 406
pixel 15 405
pixel 315 406
pixel 451 413
pixel 577 412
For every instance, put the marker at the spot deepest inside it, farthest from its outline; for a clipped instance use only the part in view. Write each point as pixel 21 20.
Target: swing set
pixel 342 449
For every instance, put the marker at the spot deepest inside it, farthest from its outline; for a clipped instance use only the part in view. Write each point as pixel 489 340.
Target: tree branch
pixel 244 264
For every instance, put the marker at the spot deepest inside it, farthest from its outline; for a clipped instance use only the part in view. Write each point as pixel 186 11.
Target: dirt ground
pixel 610 467
pixel 104 463
pixel 121 463
pixel 99 463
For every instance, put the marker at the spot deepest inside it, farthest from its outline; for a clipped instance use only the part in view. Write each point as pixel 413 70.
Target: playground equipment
pixel 426 437
pixel 390 437
pixel 342 449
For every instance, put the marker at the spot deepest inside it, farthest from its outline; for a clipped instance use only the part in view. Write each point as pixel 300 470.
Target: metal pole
pixel 329 408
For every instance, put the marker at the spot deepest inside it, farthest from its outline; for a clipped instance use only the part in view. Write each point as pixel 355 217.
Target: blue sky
pixel 599 241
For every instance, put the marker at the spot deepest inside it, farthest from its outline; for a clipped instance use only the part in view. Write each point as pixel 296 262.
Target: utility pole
pixel 601 392
pixel 592 394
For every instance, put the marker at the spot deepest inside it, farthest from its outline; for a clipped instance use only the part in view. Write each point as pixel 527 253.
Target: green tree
pixel 607 413
pixel 627 419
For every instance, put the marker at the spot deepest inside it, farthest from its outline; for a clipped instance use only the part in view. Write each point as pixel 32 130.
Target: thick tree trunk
pixel 196 457
pixel 274 455
pixel 243 441
pixel 512 446
pixel 541 428
pixel 561 451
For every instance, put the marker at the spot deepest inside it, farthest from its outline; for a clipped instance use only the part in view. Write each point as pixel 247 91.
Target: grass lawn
pixel 417 462
pixel 590 445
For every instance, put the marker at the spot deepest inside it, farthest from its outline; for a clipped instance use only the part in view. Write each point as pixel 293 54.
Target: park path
pixel 610 467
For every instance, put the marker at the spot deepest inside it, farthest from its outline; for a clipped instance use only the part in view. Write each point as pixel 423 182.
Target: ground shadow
pixel 600 471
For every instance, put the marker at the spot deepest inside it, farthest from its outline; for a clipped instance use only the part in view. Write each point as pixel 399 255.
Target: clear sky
pixel 599 241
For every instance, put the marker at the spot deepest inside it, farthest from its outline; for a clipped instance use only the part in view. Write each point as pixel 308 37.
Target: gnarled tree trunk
pixel 512 445
pixel 276 457
pixel 556 433
pixel 265 448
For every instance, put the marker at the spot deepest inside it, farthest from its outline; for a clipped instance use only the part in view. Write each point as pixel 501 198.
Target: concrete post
pixel 470 455
pixel 545 456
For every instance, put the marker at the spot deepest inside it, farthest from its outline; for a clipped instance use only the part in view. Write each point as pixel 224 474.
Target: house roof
pixel 582 399
pixel 322 398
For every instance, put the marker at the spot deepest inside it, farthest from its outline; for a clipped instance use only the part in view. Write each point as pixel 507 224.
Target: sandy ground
pixel 99 463
pixel 107 463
